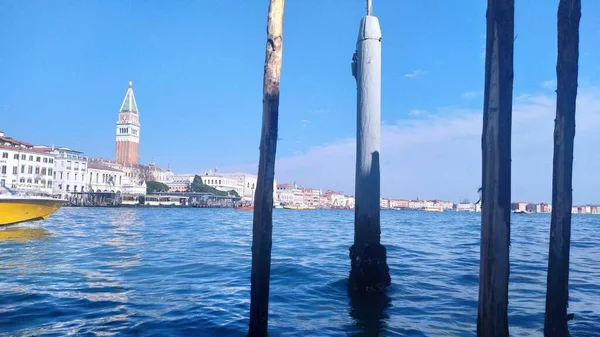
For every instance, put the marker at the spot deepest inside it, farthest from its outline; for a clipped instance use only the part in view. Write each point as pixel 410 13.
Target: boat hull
pixel 18 210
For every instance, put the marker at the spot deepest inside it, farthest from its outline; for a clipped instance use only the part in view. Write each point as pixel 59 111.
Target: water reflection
pixel 23 234
pixel 369 313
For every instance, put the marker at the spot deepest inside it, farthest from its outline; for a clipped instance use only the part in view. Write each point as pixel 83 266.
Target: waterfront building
pixel 417 204
pixel 127 141
pixel 443 205
pixel 385 203
pixel 398 203
pixel 348 201
pixel 181 185
pixel 104 178
pixel 223 182
pixel 137 174
pixel 333 199
pixel 243 184
pixel 285 193
pixel 70 172
pixel 290 194
pixel 545 208
pixel 311 197
pixel 531 208
pixel 518 206
pixel 466 207
pixel 25 167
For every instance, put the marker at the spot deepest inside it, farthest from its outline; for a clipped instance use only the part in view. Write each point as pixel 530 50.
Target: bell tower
pixel 128 130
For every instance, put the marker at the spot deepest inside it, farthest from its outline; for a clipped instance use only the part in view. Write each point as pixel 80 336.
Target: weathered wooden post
pixel 369 270
pixel 492 317
pixel 557 293
pixel 262 226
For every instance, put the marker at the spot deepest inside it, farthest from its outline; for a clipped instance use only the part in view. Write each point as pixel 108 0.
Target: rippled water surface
pixel 167 272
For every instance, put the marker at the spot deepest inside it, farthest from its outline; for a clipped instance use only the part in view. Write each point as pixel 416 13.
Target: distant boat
pixel 246 208
pixel 15 209
pixel 520 211
pixel 298 207
pixel 433 209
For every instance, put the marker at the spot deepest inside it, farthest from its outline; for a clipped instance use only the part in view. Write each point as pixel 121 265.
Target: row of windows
pixel 126 131
pixel 76 165
pixel 69 176
pixel 43 182
pixel 24 157
pixel 106 178
pixel 43 171
pixel 68 187
pixel 30 169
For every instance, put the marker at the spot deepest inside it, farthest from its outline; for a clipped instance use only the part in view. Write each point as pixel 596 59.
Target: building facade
pixel 127 142
pixel 70 172
pixel 288 194
pixel 311 197
pixel 243 184
pixel 24 167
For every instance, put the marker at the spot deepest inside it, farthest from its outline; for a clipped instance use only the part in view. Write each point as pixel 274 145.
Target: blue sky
pixel 197 73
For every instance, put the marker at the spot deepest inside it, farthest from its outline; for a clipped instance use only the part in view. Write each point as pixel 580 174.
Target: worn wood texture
pixel 492 318
pixel 262 227
pixel 557 293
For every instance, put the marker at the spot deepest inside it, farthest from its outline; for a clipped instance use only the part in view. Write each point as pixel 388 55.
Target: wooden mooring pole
pixel 262 225
pixel 557 293
pixel 492 316
pixel 369 270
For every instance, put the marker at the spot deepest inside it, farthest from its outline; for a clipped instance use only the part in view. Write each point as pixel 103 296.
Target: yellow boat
pixel 16 209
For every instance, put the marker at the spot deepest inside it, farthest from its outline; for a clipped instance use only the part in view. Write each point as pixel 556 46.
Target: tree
pixel 262 225
pixel 199 187
pixel 155 186
pixel 567 68
pixel 492 316
pixel 145 173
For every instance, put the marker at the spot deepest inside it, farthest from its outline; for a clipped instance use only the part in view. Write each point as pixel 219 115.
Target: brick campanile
pixel 127 143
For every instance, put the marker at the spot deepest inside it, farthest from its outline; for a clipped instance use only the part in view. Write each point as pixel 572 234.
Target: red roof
pixel 24 149
pixel 5 139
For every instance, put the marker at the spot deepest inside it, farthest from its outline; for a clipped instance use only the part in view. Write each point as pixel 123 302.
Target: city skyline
pixel 431 106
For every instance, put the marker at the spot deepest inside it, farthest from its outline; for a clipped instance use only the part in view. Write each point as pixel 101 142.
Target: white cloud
pixel 417 112
pixel 549 84
pixel 415 74
pixel 305 121
pixel 470 95
pixel 440 156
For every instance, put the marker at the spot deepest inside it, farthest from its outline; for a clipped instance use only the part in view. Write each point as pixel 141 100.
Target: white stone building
pixel 70 172
pixel 243 184
pixel 311 197
pixel 103 178
pixel 24 167
pixel 285 193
